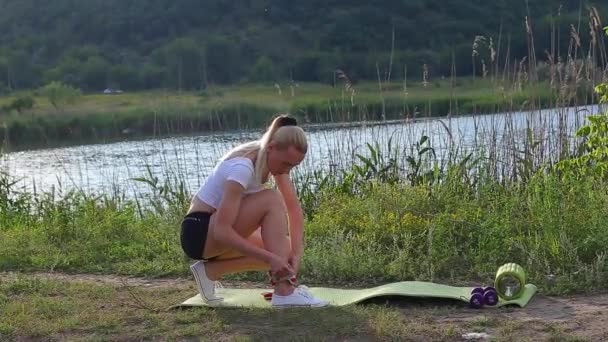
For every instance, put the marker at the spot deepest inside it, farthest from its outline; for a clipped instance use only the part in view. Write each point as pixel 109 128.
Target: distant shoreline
pixel 99 118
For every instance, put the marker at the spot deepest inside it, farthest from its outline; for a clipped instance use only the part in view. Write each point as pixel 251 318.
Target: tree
pixel 5 72
pixel 21 72
pixel 124 77
pixel 223 63
pixel 19 104
pixel 182 59
pixel 22 103
pixel 95 73
pixel 190 41
pixel 60 94
pixel 263 71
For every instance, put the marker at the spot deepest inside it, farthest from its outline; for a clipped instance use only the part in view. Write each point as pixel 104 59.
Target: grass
pixel 39 308
pixel 84 311
pixel 262 95
pixel 376 231
pixel 449 232
pixel 99 117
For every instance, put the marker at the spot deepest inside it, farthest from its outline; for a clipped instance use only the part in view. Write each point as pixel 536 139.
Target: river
pixel 110 168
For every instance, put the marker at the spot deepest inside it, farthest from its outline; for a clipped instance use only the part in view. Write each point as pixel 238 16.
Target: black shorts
pixel 195 227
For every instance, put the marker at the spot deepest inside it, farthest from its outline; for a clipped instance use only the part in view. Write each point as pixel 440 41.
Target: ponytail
pixel 290 134
pixel 278 122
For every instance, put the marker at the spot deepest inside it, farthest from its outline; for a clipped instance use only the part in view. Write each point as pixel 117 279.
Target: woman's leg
pixel 235 262
pixel 265 210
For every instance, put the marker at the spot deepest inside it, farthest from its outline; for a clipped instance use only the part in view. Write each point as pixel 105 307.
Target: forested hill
pixel 139 44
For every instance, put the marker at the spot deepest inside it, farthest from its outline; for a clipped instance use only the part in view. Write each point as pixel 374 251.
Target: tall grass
pixel 380 221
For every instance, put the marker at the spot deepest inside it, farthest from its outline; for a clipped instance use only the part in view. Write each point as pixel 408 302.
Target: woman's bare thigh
pixel 251 213
pixel 255 238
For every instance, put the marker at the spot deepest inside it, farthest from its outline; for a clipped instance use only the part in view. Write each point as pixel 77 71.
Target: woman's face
pixel 281 161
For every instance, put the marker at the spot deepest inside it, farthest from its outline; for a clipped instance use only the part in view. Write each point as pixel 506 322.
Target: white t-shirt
pixel 239 169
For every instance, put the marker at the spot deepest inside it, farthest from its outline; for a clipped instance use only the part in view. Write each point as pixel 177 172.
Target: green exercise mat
pixel 253 298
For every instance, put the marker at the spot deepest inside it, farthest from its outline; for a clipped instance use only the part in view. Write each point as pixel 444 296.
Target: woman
pixel 235 224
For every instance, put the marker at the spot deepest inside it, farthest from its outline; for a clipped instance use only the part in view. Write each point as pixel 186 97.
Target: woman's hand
pixel 280 267
pixel 294 260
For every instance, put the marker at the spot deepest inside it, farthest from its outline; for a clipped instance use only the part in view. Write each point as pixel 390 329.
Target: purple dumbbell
pixel 476 301
pixel 490 296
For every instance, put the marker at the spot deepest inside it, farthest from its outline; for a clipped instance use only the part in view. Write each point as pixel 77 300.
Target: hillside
pixel 187 44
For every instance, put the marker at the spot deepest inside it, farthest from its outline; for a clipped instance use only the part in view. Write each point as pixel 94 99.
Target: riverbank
pixel 96 118
pixel 369 226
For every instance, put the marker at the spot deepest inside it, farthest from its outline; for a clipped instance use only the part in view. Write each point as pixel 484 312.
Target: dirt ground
pixel 581 316
pixel 569 318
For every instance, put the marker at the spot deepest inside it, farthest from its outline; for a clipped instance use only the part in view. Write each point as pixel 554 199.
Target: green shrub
pixel 592 157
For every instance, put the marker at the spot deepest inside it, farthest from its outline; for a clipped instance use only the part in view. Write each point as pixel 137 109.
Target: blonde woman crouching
pixel 235 224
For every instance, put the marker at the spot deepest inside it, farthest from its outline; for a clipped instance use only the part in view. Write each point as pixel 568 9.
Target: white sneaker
pixel 301 297
pixel 206 286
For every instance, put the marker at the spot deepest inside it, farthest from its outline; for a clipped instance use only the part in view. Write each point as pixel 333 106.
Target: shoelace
pixel 304 291
pixel 218 285
pixel 304 288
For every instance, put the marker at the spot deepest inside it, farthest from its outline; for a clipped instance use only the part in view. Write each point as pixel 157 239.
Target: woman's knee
pixel 270 199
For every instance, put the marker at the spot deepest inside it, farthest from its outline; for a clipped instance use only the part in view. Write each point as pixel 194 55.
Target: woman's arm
pixel 294 213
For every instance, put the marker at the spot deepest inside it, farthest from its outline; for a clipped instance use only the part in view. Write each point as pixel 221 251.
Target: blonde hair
pixel 283 131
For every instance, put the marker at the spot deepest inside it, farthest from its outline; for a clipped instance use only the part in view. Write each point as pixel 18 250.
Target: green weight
pixel 510 281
